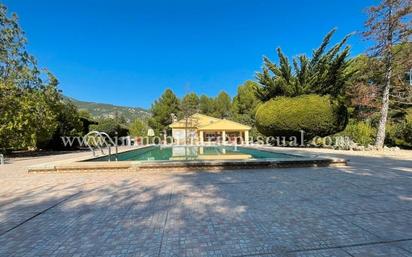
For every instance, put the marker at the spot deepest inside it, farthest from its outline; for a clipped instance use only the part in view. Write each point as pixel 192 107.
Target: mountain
pixel 101 110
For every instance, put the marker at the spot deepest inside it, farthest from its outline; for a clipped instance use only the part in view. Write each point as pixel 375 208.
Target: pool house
pixel 203 129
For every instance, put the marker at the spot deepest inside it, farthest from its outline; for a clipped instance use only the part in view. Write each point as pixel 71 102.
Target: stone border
pixel 187 165
pixel 82 167
pixel 86 164
pixel 242 164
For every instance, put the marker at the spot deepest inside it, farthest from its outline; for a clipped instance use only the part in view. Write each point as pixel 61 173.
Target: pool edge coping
pixel 81 166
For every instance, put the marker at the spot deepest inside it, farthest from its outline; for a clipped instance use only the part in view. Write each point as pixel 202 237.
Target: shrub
pixel 315 115
pixel 360 132
pixel 400 133
pixel 111 127
pixel 138 128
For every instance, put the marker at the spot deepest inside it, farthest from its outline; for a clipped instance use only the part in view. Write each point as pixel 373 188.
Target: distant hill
pixel 101 110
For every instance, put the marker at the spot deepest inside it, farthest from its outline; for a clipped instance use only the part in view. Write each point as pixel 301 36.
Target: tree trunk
pixel 380 137
pixel 186 130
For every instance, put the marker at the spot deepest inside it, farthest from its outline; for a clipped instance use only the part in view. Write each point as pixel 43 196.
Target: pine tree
pixel 189 106
pixel 223 104
pixel 245 102
pixel 323 73
pixel 206 105
pixel 162 109
pixel 245 105
pixel 389 23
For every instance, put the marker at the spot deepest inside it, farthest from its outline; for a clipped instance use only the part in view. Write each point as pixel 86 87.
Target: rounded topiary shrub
pixel 315 115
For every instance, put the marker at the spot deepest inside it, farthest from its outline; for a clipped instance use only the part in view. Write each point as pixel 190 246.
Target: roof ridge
pixel 201 114
pixel 225 120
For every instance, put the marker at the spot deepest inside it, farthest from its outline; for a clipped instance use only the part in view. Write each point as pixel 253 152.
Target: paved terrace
pixel 361 210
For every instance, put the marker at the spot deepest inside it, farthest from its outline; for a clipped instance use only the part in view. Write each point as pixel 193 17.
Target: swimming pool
pixel 190 158
pixel 182 153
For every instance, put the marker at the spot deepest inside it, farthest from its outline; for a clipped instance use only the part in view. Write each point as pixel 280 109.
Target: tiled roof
pixel 204 122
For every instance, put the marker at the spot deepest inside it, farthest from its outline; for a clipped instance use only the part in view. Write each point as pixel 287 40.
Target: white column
pixel 247 137
pixel 223 137
pixel 201 137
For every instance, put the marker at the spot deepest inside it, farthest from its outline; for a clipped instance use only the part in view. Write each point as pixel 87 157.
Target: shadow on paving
pixel 353 211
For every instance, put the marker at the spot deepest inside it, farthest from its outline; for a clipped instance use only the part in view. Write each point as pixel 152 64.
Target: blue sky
pixel 128 52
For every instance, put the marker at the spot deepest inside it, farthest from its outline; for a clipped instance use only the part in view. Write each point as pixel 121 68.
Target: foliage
pixel 324 73
pixel 83 113
pixel 287 116
pixel 219 107
pixel 16 65
pixel 364 88
pixel 112 127
pixel 206 105
pixel 222 105
pixel 361 90
pixel 69 123
pixel 364 94
pixel 245 104
pixel 401 94
pixel 388 24
pixel 138 128
pixel 189 104
pixel 360 132
pixel 27 116
pixel 399 133
pixel 31 107
pixel 162 109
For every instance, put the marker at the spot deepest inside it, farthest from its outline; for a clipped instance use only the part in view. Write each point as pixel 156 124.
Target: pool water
pixel 176 153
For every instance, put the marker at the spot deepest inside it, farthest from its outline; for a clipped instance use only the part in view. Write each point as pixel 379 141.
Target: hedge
pixel 315 115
